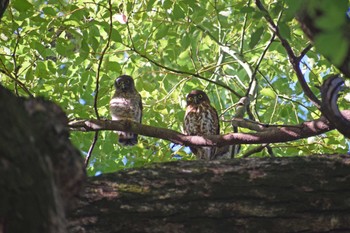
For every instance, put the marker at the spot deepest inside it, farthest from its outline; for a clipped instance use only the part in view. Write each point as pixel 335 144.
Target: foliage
pixel 54 49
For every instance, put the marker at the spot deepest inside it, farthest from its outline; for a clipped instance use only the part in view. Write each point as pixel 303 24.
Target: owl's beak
pixel 195 100
pixel 124 86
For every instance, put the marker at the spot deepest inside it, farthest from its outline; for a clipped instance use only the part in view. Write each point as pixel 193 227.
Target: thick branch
pixel 278 195
pixel 269 135
pixel 330 93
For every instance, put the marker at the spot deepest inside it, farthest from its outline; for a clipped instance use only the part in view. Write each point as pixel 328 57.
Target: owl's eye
pixel 200 96
pixel 189 99
pixel 119 84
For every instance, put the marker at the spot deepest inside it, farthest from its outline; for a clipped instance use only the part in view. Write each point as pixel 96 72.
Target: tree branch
pixel 269 135
pixel 330 93
pixel 185 72
pixel 275 195
pixel 294 60
pixel 134 49
pixel 100 60
pixel 304 52
pixel 97 87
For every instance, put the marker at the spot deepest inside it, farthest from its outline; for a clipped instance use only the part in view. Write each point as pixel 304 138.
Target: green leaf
pixel 150 4
pixel 268 92
pixel 112 66
pixel 50 11
pixel 115 36
pixel 40 48
pixel 167 4
pixel 332 45
pixel 162 31
pixel 61 46
pixel 29 75
pixel 185 41
pixel 41 70
pixel 21 5
pixel 256 36
pixel 177 12
pixel 284 29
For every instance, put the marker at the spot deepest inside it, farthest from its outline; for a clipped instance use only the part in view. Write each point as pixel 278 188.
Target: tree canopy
pixel 71 53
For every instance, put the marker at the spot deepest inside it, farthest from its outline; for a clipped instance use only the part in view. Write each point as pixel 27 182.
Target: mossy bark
pixel 309 194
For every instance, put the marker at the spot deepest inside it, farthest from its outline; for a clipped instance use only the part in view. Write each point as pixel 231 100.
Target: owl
pixel 126 104
pixel 201 119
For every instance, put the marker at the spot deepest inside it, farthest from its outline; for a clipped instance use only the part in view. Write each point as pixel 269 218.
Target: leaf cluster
pixel 53 48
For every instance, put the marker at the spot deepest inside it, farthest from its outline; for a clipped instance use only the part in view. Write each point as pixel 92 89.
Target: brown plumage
pixel 126 104
pixel 201 119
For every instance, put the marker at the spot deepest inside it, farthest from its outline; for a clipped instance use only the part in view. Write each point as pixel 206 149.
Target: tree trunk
pixel 296 194
pixel 39 168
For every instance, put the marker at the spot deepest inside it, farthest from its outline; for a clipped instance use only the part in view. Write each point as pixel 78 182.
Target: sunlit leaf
pixel 268 92
pixel 21 5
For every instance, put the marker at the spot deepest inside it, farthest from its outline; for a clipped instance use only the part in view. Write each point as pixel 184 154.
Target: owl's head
pixel 197 97
pixel 124 83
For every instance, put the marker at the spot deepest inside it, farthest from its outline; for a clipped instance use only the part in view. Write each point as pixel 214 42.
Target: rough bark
pixel 39 168
pixel 3 6
pixel 309 194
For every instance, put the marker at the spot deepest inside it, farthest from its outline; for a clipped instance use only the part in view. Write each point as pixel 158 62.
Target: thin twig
pixel 88 156
pixel 253 79
pixel 16 68
pixel 263 54
pixel 305 51
pixel 98 79
pixel 185 72
pixel 254 150
pixel 7 73
pixel 197 75
pixel 243 30
pixel 97 87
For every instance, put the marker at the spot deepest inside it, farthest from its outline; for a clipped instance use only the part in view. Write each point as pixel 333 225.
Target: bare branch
pixel 97 87
pixel 263 55
pixel 254 150
pixel 304 52
pixel 243 30
pixel 88 156
pixel 273 135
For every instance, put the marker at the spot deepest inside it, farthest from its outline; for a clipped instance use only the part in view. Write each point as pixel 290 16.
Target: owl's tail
pixel 127 139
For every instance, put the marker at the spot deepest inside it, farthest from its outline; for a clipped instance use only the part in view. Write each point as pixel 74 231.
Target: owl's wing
pixel 215 119
pixel 141 107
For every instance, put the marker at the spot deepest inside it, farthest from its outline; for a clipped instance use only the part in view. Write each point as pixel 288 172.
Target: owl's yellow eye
pixel 200 96
pixel 190 99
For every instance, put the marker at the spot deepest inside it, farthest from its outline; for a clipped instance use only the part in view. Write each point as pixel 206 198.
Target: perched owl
pixel 126 104
pixel 201 119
